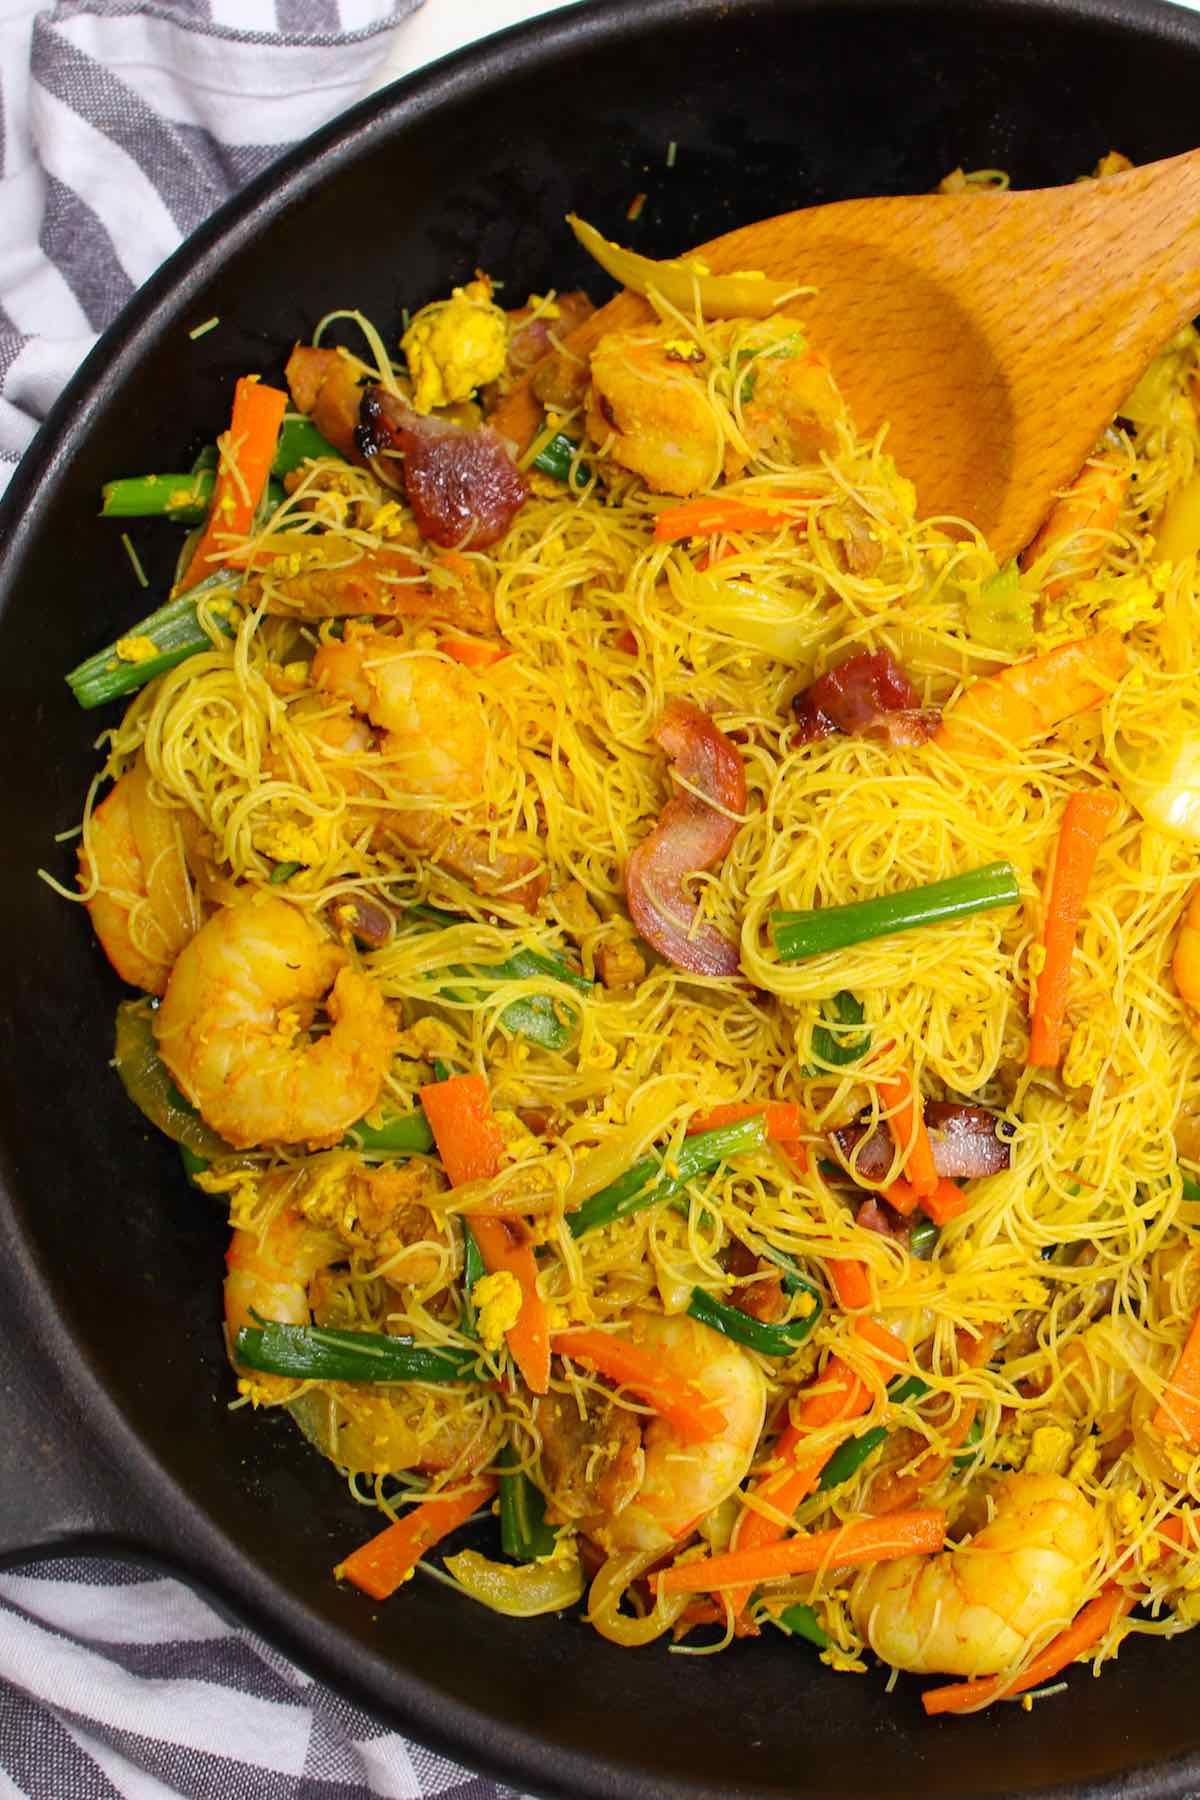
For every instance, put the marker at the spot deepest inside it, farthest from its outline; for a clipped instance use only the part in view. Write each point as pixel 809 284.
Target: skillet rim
pixel 176 1533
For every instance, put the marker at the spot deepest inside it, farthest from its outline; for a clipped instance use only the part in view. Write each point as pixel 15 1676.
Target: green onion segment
pixel 799 935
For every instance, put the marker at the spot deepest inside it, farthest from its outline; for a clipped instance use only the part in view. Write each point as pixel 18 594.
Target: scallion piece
pixel 1190 1188
pixel 801 1621
pixel 540 1018
pixel 310 1353
pixel 193 1165
pixel 474 1269
pixel 836 1042
pixel 175 632
pixel 404 1131
pixel 649 1182
pixel 768 1340
pixel 556 456
pixel 974 1433
pixel 184 498
pixel 799 935
pixel 298 440
pixel 283 872
pixel 524 1533
pixel 849 1457
pixel 922 1238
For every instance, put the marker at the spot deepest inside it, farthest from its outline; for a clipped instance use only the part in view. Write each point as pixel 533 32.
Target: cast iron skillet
pixel 115 1431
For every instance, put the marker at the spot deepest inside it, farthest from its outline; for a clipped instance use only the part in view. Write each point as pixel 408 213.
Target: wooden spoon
pixel 995 333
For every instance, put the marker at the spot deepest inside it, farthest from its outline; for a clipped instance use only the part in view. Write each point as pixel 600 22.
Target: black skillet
pixel 115 1431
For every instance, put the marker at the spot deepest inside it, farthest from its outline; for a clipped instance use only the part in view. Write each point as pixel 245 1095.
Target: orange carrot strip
pixel 1178 1412
pixel 464 1127
pixel 906 1122
pixel 704 518
pixel 1031 697
pixel 472 653
pixel 469 1143
pixel 851 1282
pixel 785 1120
pixel 1085 821
pixel 626 642
pixel 619 1359
pixel 1085 1630
pixel 505 1245
pixel 903 1196
pixel 247 452
pixel 918 1533
pixel 380 1565
pixel 889 1351
pixel 945 1203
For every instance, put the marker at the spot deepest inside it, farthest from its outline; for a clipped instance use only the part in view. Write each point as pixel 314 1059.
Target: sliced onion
pixel 604 1601
pixel 520 1590
pixel 742 296
pixel 1164 785
pixel 146 1080
pixel 646 1120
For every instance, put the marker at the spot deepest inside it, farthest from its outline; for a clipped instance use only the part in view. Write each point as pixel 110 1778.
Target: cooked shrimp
pixel 631 1498
pixel 436 734
pixel 791 407
pixel 143 908
pixel 1072 542
pixel 274 1273
pixel 650 410
pixel 1185 963
pixel 232 1022
pixel 435 744
pixel 976 1609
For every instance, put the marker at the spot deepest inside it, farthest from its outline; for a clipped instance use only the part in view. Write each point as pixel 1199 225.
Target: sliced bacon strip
pixel 463 486
pixel 691 835
pixel 866 695
pixel 966 1141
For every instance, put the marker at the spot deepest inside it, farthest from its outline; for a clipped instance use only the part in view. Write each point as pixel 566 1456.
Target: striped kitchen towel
pixel 116 1684
pixel 123 123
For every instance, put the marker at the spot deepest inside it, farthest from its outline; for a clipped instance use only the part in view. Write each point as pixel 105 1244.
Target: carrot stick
pixel 380 1565
pixel 1085 1630
pixel 785 1120
pixel 472 653
pixel 505 1245
pixel 247 451
pixel 851 1282
pixel 838 1394
pixel 917 1533
pixel 718 512
pixel 1178 1412
pixel 906 1122
pixel 464 1127
pixel 1085 821
pixel 945 1203
pixel 903 1196
pixel 469 1143
pixel 694 1416
pixel 1032 697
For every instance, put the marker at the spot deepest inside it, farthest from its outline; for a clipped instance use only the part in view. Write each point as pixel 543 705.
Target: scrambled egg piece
pixel 1049 1451
pixel 456 346
pixel 428 1038
pixel 283 840
pixel 137 649
pixel 497 1301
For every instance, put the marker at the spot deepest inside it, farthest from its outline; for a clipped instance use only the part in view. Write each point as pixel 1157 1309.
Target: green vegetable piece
pixel 648 1183
pixel 175 631
pixel 801 1621
pixel 540 1018
pixel 193 1165
pixel 832 1042
pixel 310 1353
pixel 283 872
pixel 555 458
pixel 1191 1188
pixel 474 1269
pixel 147 1081
pixel 849 1457
pixel 907 1387
pixel 402 1132
pixel 298 440
pixel 1000 616
pixel 974 1433
pixel 441 1070
pixel 922 1239
pixel 768 1340
pixel 524 1533
pixel 815 932
pixel 184 498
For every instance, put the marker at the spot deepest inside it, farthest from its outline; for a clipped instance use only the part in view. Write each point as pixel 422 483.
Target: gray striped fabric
pixel 123 123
